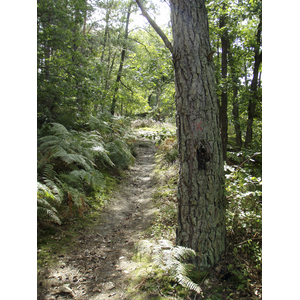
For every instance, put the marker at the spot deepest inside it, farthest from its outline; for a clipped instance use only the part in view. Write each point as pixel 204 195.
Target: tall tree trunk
pixel 47 52
pixel 106 31
pixel 76 62
pixel 235 103
pixel 236 118
pixel 158 103
pixel 84 20
pixel 114 101
pixel 224 97
pixel 253 88
pixel 47 62
pixel 217 79
pixel 149 99
pixel 107 80
pixel 201 202
pixel 49 100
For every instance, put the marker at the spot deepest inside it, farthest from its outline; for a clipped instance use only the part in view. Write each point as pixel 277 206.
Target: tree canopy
pixel 80 46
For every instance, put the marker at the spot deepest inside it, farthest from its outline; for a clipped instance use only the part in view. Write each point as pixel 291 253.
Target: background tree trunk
pixel 236 118
pixel 201 201
pixel 235 101
pixel 253 88
pixel 106 31
pixel 114 101
pixel 224 97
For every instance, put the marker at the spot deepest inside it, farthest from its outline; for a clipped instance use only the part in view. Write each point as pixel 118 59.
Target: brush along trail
pixel 99 264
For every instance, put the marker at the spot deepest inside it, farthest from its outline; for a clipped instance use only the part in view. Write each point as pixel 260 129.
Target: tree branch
pixel 155 26
pixel 140 44
pixel 128 88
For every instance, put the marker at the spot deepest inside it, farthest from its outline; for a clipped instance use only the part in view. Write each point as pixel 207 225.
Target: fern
pixel 73 158
pixel 120 153
pixel 45 209
pixel 100 124
pixel 170 259
pixel 92 146
pixel 69 162
pixel 73 148
pixel 77 196
pixel 79 178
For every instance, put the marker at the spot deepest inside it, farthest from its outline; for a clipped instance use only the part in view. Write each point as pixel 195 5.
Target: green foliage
pixel 244 214
pixel 45 199
pixel 151 66
pixel 160 135
pixel 236 22
pixel 71 163
pixel 162 271
pixel 63 77
pixel 120 153
pixel 171 260
pixel 71 150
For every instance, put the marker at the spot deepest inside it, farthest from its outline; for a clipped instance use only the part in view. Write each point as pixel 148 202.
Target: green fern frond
pixel 45 210
pixel 79 159
pixel 48 142
pixel 101 152
pixel 181 253
pixel 188 283
pixel 44 213
pixel 59 130
pixel 77 195
pixel 42 202
pixel 51 188
pixel 119 153
pixel 170 258
pixel 94 147
pixel 100 124
pixel 74 148
pixel 53 183
pixel 69 161
pixel 80 177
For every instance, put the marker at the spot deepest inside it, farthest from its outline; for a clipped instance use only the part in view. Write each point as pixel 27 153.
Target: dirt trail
pixel 100 264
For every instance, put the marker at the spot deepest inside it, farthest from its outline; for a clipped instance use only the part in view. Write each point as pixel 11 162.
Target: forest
pixel 120 100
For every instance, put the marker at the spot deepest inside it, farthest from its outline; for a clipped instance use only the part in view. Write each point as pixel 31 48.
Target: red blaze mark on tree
pixel 198 126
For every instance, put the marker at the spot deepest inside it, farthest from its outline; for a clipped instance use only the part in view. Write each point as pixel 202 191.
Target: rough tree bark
pixel 201 201
pixel 201 209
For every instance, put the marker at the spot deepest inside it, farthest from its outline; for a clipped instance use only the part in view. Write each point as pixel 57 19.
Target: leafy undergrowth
pixel 238 274
pixel 57 239
pixel 77 170
pixel 75 166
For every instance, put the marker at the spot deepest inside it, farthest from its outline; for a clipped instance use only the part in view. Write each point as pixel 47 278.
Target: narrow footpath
pixel 100 266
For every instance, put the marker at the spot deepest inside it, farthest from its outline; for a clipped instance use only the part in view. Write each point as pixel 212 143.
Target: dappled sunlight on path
pixel 100 264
